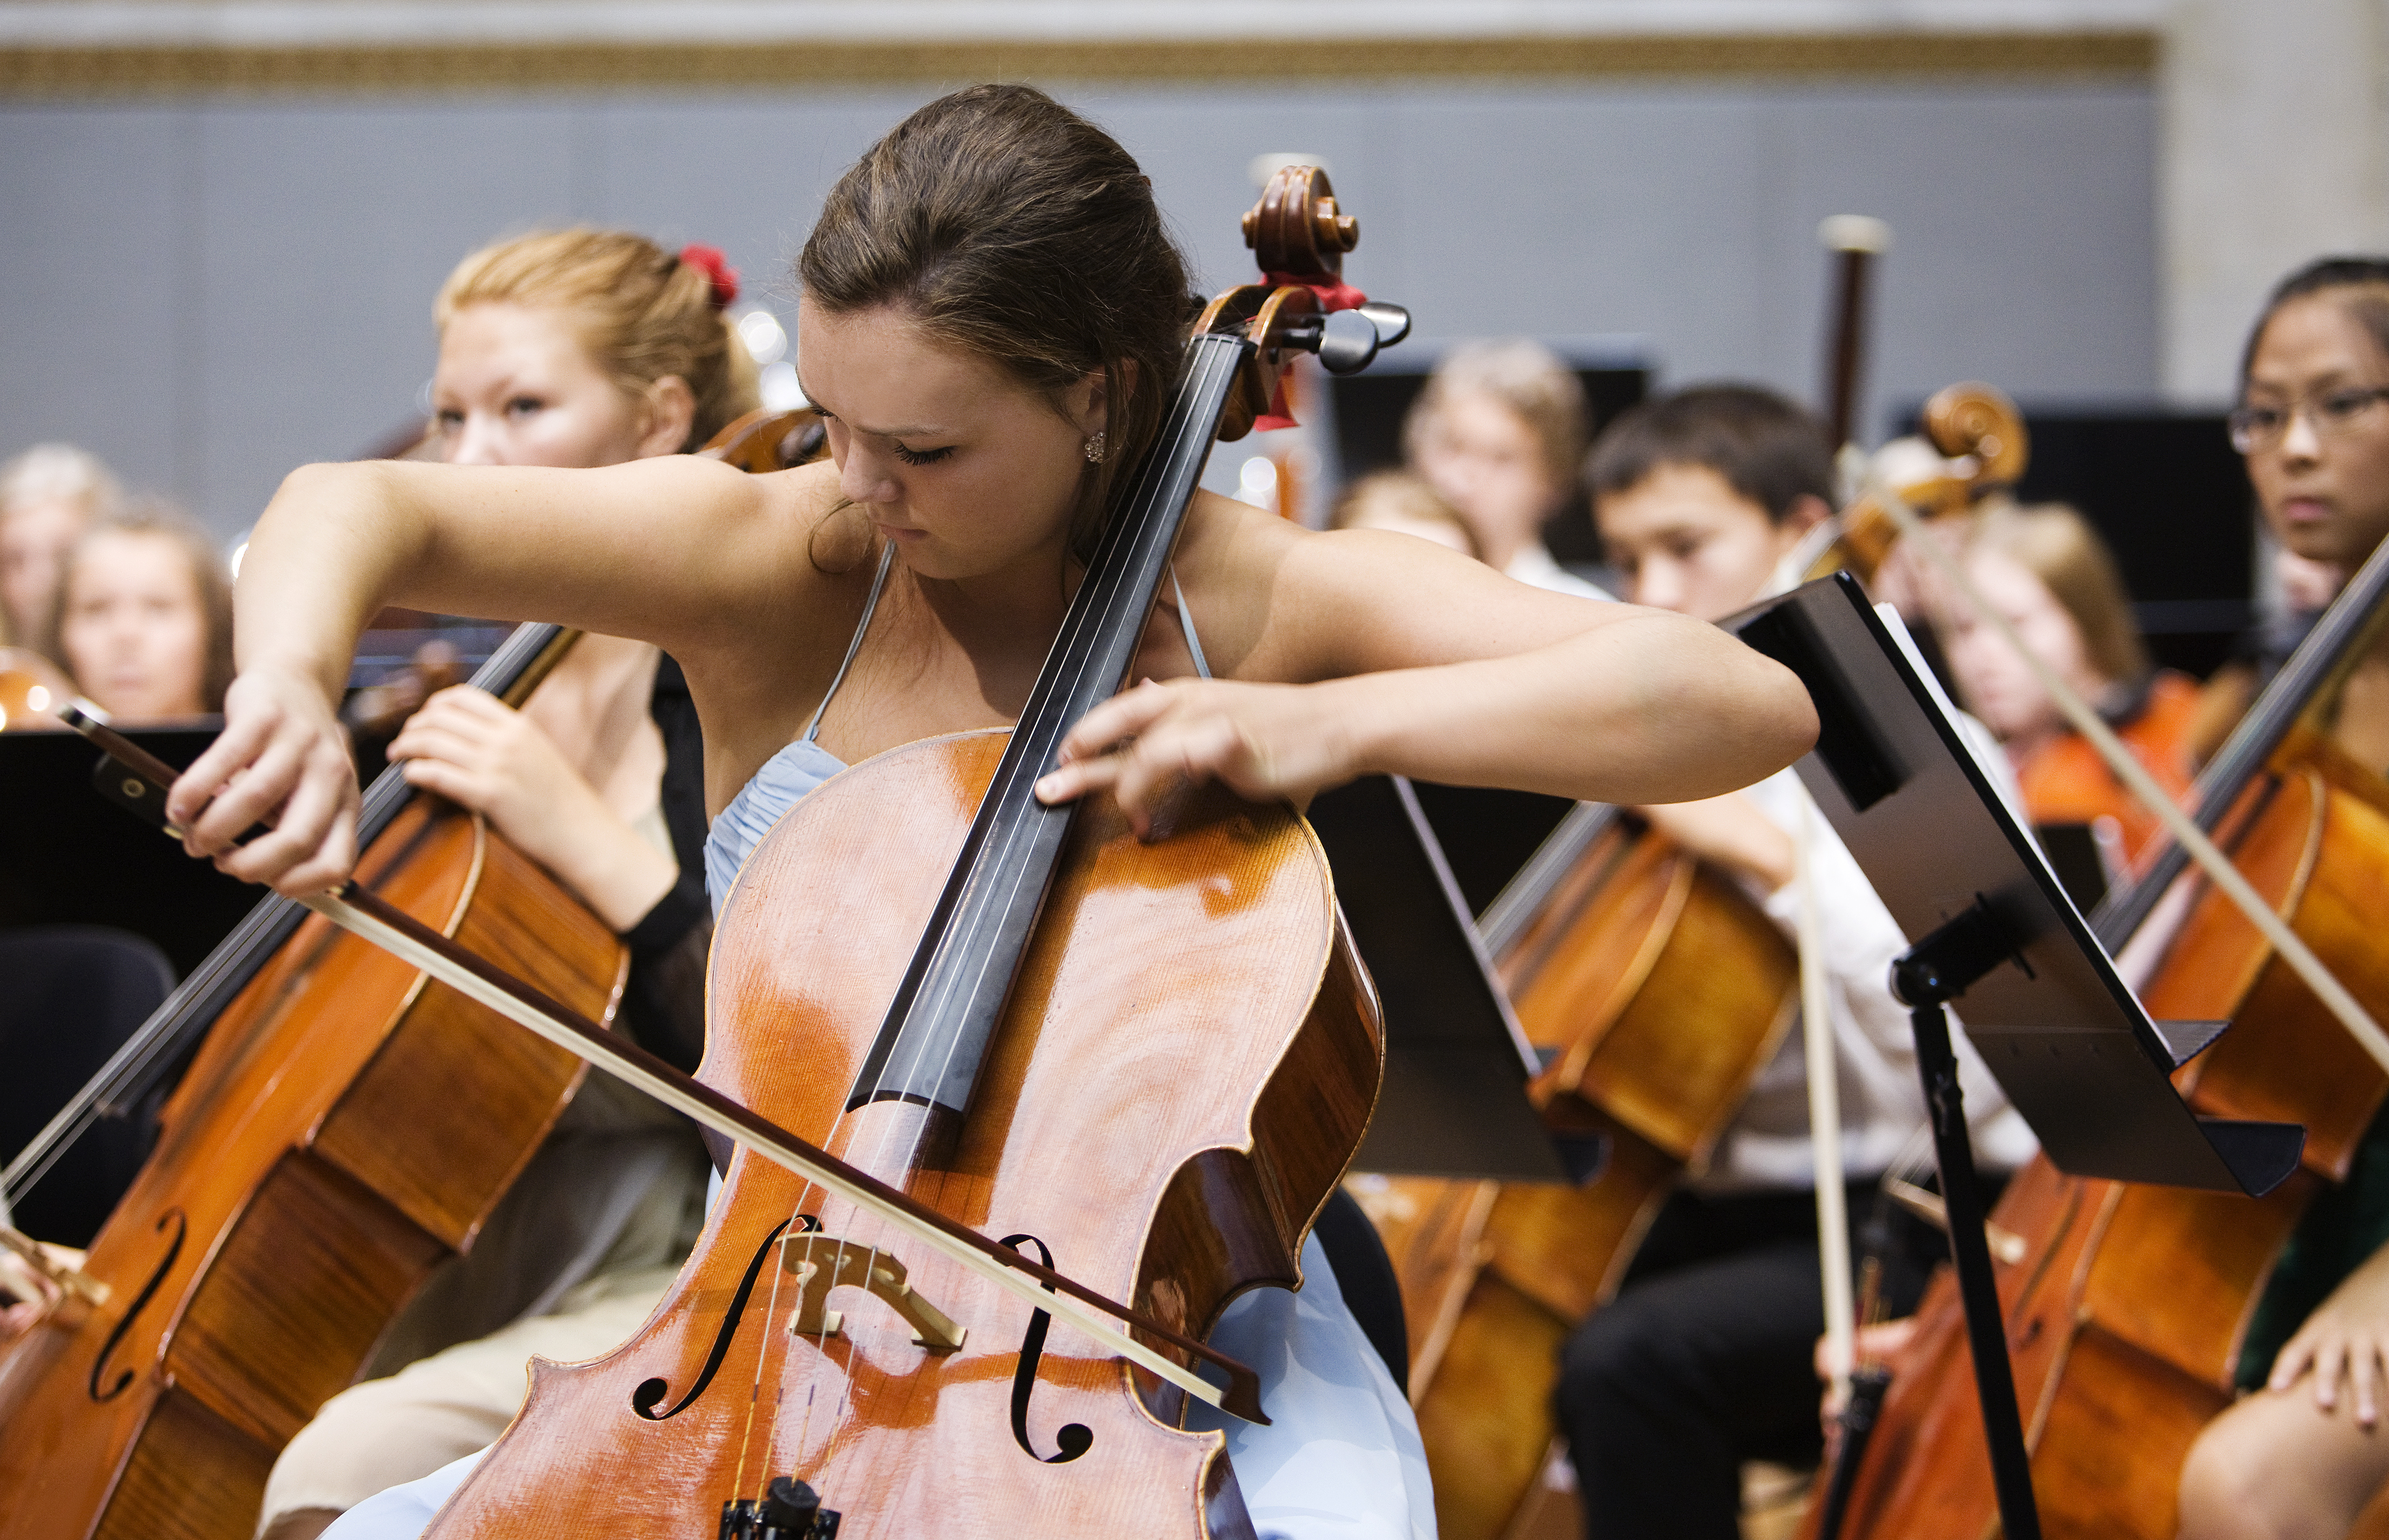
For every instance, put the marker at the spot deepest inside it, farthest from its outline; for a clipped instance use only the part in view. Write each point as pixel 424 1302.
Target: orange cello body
pixel 2125 1314
pixel 346 1126
pixel 1664 991
pixel 1184 1067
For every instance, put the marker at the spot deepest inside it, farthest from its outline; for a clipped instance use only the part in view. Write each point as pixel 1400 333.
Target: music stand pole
pixel 1937 970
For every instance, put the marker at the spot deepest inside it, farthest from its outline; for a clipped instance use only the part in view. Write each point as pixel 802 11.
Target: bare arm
pixel 675 550
pixel 1420 662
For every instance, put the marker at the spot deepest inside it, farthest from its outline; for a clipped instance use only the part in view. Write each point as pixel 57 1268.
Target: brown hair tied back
pixel 1004 223
pixel 642 312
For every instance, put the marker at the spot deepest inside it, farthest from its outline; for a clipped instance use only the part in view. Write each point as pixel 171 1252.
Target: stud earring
pixel 1095 450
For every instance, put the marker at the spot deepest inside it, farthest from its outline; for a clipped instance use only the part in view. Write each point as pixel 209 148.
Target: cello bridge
pixel 820 1263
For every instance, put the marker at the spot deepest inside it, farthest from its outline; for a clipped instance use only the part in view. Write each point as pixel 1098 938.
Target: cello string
pixel 762 1354
pixel 1099 616
pixel 1005 854
pixel 1103 615
pixel 1042 723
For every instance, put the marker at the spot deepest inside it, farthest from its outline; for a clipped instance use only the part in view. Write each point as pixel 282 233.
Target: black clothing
pixel 1365 1274
pixel 663 1002
pixel 1705 1359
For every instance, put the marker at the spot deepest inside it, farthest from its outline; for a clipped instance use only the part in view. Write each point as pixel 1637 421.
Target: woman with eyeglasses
pixel 2303 1452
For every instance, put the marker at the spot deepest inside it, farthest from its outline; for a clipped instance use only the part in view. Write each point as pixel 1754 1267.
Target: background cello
pixel 345 1127
pixel 1657 990
pixel 2128 1309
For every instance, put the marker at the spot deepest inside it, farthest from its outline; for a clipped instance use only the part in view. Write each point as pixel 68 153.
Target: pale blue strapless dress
pixel 1341 1458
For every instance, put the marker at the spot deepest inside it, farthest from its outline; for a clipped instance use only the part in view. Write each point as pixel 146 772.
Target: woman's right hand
pixel 282 760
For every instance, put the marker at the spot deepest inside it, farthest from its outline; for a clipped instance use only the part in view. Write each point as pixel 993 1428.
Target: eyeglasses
pixel 2332 413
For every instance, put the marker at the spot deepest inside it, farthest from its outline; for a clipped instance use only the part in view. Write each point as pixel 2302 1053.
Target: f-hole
pixel 108 1350
pixel 651 1392
pixel 1075 1438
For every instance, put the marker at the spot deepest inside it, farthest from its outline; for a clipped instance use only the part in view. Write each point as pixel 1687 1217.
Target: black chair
pixel 74 996
pixel 1366 1275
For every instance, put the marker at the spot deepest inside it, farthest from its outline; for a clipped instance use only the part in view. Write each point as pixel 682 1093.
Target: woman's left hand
pixel 2346 1338
pixel 481 754
pixel 1260 740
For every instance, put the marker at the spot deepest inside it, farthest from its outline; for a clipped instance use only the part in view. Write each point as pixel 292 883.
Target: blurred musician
pixel 574 349
pixel 1497 432
pixel 48 495
pixel 2053 579
pixel 1404 503
pixel 1702 1360
pixel 142 617
pixel 143 614
pixel 2301 1454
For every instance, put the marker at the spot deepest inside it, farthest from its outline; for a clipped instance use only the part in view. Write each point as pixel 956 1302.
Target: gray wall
pixel 210 293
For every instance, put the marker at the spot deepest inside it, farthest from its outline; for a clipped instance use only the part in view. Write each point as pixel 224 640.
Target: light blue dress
pixel 1341 1458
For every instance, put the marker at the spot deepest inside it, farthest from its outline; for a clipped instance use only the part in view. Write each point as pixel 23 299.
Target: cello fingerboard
pixel 935 1037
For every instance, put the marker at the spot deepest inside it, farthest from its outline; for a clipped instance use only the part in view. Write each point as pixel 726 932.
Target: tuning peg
pixel 1392 322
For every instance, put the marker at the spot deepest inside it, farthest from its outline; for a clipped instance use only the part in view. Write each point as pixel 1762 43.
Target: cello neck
pixel 937 1030
pixel 2334 646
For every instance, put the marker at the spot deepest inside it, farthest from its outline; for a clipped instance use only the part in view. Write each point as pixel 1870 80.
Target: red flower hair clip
pixel 718 271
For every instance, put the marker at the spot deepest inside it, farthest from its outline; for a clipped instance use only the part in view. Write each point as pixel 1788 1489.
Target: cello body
pixel 1662 990
pixel 2125 1315
pixel 1185 1065
pixel 346 1126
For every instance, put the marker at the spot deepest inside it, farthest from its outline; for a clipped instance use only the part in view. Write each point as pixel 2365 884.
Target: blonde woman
pixel 574 349
pixel 2050 577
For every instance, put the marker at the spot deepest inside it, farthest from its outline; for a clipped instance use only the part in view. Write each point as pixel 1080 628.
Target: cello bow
pixel 367 916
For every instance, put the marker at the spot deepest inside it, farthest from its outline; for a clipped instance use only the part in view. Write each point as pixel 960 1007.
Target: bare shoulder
pixel 1297 605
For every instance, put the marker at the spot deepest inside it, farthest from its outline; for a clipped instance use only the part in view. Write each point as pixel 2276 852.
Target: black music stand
pixel 2058 1030
pixel 1454 1102
pixel 67 859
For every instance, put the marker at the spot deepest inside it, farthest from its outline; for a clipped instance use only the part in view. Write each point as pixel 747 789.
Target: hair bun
pixel 717 270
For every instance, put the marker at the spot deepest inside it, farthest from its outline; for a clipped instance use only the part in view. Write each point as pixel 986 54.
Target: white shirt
pixel 1537 567
pixel 1766 1145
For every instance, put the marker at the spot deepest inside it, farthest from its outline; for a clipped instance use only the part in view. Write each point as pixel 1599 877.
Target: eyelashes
pixel 909 456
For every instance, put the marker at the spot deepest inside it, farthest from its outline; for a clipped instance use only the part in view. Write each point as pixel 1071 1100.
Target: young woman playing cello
pixel 992 317
pixel 2304 1453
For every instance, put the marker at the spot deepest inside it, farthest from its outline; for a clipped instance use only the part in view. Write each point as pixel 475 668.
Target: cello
pixel 345 1127
pixel 1608 941
pixel 1005 1023
pixel 2128 1308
